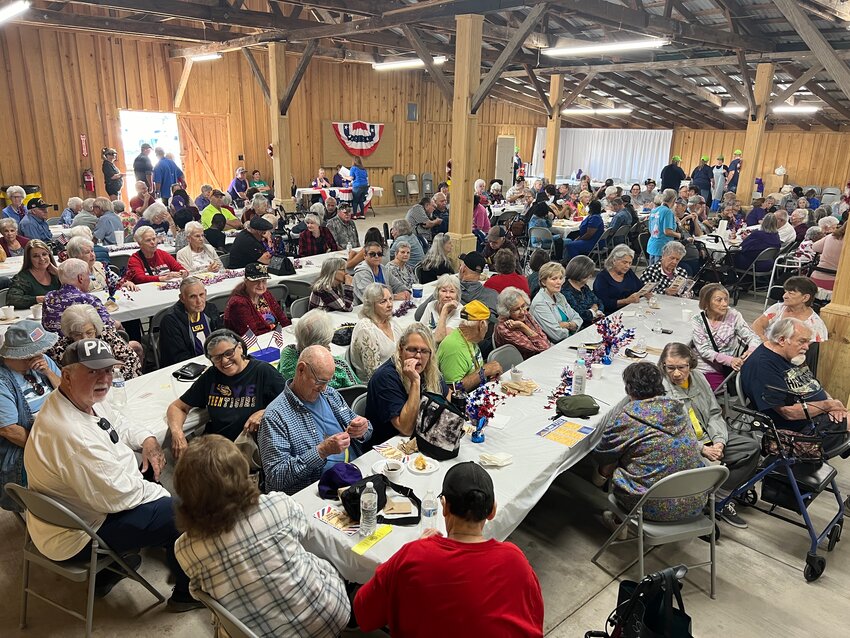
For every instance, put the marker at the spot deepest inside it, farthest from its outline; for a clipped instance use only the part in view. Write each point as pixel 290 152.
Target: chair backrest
pixel 603 238
pixel 412 184
pixel 507 356
pixel 299 289
pixel 225 260
pixel 701 480
pixel 54 221
pixel 768 254
pixel 427 184
pixel 829 198
pixel 46 509
pixel 358 406
pixel 643 240
pixel 153 331
pixel 538 232
pixel 417 272
pixel 506 217
pixel 399 186
pixel 816 189
pixel 299 307
pixel 3 294
pixel 119 261
pixel 832 190
pixel 280 292
pixel 351 393
pixel 622 231
pixel 219 302
pixel 234 627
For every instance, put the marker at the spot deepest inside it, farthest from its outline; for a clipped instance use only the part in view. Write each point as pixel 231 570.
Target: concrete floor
pixel 760 585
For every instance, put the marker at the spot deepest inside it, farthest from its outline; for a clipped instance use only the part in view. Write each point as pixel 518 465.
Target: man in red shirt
pixel 458 585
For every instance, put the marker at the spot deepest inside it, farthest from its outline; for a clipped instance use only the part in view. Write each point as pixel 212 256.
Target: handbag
pixel 803 447
pixel 647 608
pixel 338 476
pixel 281 266
pixel 579 405
pixel 351 499
pixel 439 427
pixel 342 335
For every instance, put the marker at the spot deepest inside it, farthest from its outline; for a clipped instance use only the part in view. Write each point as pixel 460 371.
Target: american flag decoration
pixel 250 339
pixel 277 337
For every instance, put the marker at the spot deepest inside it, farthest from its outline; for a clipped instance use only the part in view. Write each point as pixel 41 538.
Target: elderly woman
pixel 76 282
pixel 11 242
pixel 495 194
pixel 738 452
pixel 722 338
pixel 517 326
pixel 251 306
pixel 395 389
pixel 505 263
pixel 402 232
pixel 81 321
pixel 37 277
pixel 149 263
pixel 101 254
pixel 480 190
pixel 74 206
pixel 758 240
pixel 372 271
pixel 332 289
pixel 438 261
pixel 238 187
pixel 442 312
pixel 618 285
pixel 663 272
pixel 374 337
pixel 259 205
pixel 315 328
pixel 220 512
pixel 399 267
pixel 27 377
pixel 198 255
pixel 796 303
pixel 235 391
pixel 16 209
pixel 101 278
pixel 650 438
pixel 317 239
pixel 578 294
pixel 550 307
pixel 829 248
pixel 805 253
pixel 156 216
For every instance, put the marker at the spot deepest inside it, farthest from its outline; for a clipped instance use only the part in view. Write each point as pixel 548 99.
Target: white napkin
pixel 499 459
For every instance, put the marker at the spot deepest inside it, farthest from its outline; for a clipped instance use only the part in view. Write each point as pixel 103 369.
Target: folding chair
pixel 359 405
pixel 768 254
pixel 507 356
pixel 299 308
pixel 102 557
pixel 412 185
pixel 696 482
pixel 643 241
pixel 541 236
pixel 351 393
pixel 417 272
pixel 601 248
pixel 280 292
pixel 399 188
pixel 219 302
pixel 54 221
pixel 427 184
pixel 234 627
pixel 153 334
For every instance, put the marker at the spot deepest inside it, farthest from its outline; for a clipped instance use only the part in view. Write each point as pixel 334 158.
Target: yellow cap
pixel 475 311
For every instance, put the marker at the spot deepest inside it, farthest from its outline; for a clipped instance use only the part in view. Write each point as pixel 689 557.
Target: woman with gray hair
pixel 198 255
pixel 617 285
pixel 259 205
pixel 156 216
pixel 402 233
pixel 442 313
pixel 332 289
pixel 400 267
pixel 315 329
pixel 374 337
pixel 758 240
pixel 578 294
pixel 662 226
pixel 516 326
pixel 317 239
pixel 663 272
pixel 439 260
pixel 149 264
pixel 10 241
pixel 101 277
pixel 81 321
pixel 74 206
pixel 15 195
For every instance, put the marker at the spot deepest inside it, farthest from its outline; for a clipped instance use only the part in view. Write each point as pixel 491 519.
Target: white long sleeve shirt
pixel 70 458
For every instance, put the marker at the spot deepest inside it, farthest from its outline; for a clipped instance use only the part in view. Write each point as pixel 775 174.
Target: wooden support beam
pixel 835 352
pixel 818 44
pixel 820 92
pixel 182 83
pixel 668 9
pixel 659 98
pixel 576 91
pixel 753 142
pixel 257 72
pixel 748 85
pixel 538 87
pixel 711 113
pixel 295 80
pixel 732 87
pixel 507 55
pixel 425 55
pixel 688 86
pixel 828 123
pixel 553 129
pixel 667 116
pixel 279 126
pixel 796 85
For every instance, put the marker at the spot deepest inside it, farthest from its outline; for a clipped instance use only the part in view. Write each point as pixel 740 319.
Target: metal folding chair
pixel 507 356
pixel 234 627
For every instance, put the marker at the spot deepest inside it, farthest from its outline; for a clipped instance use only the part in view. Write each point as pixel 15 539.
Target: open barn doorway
pixel 157 129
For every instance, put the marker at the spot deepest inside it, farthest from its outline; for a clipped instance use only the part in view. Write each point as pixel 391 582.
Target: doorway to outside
pixel 157 129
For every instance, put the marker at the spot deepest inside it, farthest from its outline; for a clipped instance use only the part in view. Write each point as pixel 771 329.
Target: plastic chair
pixel 119 261
pixel 351 393
pixel 507 356
pixel 412 185
pixel 829 198
pixel 54 221
pixel 358 406
pixel 102 557
pixel 621 235
pixel 427 184
pixel 601 248
pixel 225 260
pixel 816 189
pixel 696 482
pixel 234 627
pixel 539 237
pixel 299 307
pixel 3 294
pixel 399 188
pixel 280 292
pixel 417 272
pixel 298 289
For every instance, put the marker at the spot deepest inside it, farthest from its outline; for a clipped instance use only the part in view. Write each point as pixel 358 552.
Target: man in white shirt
pixel 81 453
pixel 786 231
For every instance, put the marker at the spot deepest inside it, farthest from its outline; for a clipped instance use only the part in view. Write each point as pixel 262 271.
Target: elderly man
pixel 34 224
pixel 15 210
pixel 165 175
pixel 85 216
pixel 249 246
pixel 108 223
pixel 621 215
pixel 203 200
pixel 786 230
pixel 75 279
pixel 775 375
pixel 421 218
pixel 460 358
pixel 81 452
pixel 343 228
pixel 187 324
pixel 139 204
pixel 516 191
pixel 441 212
pixel 497 238
pixel 309 427
pixel 216 207
pixel 798 222
pixel 142 167
pixel 401 231
pixel 331 208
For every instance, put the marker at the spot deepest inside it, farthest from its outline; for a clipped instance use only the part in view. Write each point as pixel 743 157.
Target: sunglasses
pixel 374 254
pixel 106 426
pixel 37 386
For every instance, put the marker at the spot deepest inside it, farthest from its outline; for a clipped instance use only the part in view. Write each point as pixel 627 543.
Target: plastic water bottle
pixel 368 510
pixel 579 377
pixel 119 392
pixel 486 270
pixel 348 248
pixel 582 352
pixel 429 511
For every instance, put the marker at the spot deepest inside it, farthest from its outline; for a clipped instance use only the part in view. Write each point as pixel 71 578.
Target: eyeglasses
pixel 416 352
pixel 106 426
pixel 37 386
pixel 320 383
pixel 374 254
pixel 88 334
pixel 227 354
pixel 682 368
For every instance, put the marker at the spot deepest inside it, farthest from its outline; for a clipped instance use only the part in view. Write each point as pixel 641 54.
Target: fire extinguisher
pixel 88 180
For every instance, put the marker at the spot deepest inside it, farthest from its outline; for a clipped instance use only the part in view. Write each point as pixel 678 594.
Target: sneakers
pixel 731 516
pixel 107 579
pixel 180 602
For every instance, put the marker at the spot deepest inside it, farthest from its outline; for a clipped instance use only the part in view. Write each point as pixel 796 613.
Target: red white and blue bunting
pixel 359 138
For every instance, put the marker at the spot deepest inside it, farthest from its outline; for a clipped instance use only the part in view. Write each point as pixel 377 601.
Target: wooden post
pixel 755 133
pixel 464 129
pixel 553 129
pixel 834 373
pixel 281 149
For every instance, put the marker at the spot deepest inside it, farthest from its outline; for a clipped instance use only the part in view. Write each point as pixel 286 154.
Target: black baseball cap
pixel 259 223
pixel 468 489
pixel 92 353
pixel 37 202
pixel 474 261
pixel 217 193
pixel 256 271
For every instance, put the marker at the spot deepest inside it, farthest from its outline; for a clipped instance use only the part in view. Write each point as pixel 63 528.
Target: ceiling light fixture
pixel 603 111
pixel 415 63
pixel 611 47
pixel 205 57
pixel 788 109
pixel 14 9
pixel 734 108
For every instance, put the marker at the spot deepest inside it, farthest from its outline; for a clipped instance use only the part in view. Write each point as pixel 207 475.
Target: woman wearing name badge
pixel 235 391
pixel 251 306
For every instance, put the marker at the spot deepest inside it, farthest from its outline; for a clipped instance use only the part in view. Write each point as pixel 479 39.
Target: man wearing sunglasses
pixel 82 453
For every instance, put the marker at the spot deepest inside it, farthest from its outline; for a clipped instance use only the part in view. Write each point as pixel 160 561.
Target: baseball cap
pixel 704 158
pixel 37 202
pixel 496 231
pixel 696 199
pixel 468 490
pixel 217 193
pixel 92 353
pixel 677 158
pixel 241 169
pixel 681 201
pixel 258 223
pixel 146 146
pixel 738 151
pixel 256 271
pixel 475 311
pixel 474 261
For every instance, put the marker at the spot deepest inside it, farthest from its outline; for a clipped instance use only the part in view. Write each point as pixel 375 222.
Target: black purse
pixel 342 335
pixel 281 266
pixel 350 499
pixel 439 427
pixel 645 609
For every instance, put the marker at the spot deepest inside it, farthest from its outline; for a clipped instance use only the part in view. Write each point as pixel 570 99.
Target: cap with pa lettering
pixel 92 353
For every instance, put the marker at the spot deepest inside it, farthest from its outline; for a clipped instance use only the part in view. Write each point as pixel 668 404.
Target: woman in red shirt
pixel 504 262
pixel 149 264
pixel 251 306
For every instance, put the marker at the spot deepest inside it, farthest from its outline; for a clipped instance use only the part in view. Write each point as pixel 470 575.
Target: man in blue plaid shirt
pixel 309 427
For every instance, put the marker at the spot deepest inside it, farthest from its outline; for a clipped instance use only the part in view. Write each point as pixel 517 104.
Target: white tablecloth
pixel 536 461
pixel 341 194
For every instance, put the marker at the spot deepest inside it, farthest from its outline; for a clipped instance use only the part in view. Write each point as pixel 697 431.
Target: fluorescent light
pixel 611 47
pixel 734 108
pixel 796 109
pixel 205 57
pixel 14 9
pixel 415 63
pixel 603 111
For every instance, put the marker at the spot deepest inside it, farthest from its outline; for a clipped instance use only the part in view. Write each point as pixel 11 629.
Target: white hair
pixel 155 210
pixel 673 247
pixel 259 201
pixel 76 245
pixel 74 201
pixel 15 190
pixel 72 269
pixel 402 227
pixel 103 204
pixel 140 233
pixel 784 328
pixel 87 204
pixel 75 317
pixel 827 224
pixel 81 231
pixel 314 328
pixel 193 226
pixel 479 183
pixel 617 253
pixel 8 222
pixel 312 218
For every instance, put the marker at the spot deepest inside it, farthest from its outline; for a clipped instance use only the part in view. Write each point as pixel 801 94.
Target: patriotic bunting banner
pixel 358 138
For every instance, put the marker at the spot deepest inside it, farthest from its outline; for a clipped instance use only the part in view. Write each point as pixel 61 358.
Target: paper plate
pixel 431 467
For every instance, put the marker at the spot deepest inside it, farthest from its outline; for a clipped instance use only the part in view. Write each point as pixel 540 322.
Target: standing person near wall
pixel 359 188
